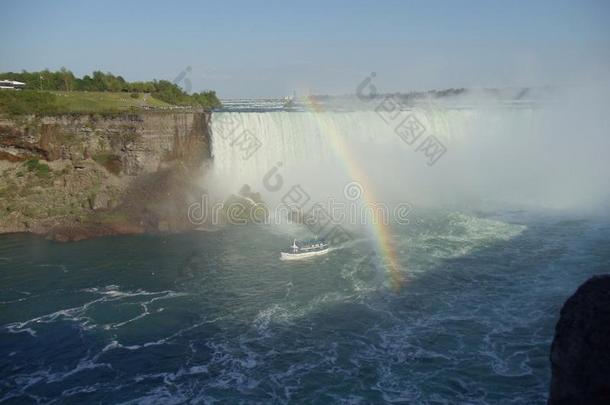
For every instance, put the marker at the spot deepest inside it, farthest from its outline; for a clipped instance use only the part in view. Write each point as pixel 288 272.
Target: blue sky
pixel 270 48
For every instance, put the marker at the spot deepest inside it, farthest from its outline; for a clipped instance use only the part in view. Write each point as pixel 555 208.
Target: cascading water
pixel 493 155
pixel 321 150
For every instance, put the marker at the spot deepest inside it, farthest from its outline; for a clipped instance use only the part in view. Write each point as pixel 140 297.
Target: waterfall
pixel 493 153
pixel 305 143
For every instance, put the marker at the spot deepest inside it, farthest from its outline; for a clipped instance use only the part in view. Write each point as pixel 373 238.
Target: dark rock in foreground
pixel 580 354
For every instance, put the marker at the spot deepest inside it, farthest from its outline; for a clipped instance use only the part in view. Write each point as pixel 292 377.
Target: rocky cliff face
pixel 72 177
pixel 580 354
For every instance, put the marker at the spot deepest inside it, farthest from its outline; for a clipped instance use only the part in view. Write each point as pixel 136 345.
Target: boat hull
pixel 305 255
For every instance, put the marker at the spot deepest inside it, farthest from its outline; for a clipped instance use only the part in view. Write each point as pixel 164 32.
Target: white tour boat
pixel 302 250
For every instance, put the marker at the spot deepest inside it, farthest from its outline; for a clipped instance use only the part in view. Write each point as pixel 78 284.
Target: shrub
pixel 40 169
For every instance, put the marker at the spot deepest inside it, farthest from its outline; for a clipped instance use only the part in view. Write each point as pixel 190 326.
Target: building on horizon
pixel 11 84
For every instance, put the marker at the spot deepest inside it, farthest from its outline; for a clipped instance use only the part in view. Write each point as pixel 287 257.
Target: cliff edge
pixel 82 176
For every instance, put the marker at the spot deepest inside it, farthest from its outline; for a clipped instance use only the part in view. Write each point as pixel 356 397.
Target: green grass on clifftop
pixel 75 102
pixel 100 101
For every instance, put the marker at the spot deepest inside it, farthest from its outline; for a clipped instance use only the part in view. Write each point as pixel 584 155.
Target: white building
pixel 11 84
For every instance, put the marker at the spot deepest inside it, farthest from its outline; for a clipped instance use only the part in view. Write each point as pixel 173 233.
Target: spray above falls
pixel 497 155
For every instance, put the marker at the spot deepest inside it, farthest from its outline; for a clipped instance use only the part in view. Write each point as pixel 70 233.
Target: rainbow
pixel 381 231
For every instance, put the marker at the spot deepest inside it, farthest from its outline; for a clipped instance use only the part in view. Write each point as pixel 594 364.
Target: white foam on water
pixel 289 312
pixel 464 234
pixel 78 314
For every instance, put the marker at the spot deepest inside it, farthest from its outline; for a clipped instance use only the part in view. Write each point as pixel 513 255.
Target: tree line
pixel 65 80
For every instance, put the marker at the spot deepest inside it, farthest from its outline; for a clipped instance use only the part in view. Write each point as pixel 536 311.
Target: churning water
pixel 216 316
